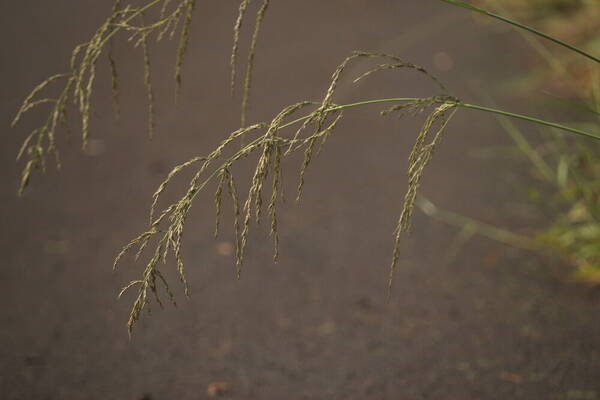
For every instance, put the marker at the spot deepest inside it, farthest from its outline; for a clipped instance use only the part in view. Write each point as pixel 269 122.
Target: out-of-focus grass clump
pixel 575 231
pixel 569 168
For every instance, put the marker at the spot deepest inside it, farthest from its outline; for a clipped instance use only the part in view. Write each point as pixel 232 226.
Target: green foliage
pixel 575 231
pixel 567 172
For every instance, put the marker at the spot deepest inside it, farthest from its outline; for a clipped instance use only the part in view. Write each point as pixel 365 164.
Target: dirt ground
pixel 493 323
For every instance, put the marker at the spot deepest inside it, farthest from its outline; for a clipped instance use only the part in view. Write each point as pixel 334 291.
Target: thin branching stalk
pixel 188 6
pixel 237 27
pixel 114 73
pixel 148 83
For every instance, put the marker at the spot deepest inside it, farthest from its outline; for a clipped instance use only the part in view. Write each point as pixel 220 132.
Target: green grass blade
pixel 534 42
pixel 574 105
pixel 465 5
pixel 531 119
pixel 521 26
pixel 490 231
pixel 459 104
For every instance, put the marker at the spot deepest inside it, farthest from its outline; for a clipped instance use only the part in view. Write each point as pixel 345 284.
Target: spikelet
pixel 175 215
pixel 420 156
pixel 114 73
pixel 219 199
pixel 189 6
pixel 254 197
pixel 79 81
pixel 30 101
pixel 399 64
pixel 151 276
pixel 327 107
pixel 41 141
pixel 163 10
pixel 276 194
pixel 271 156
pixel 233 193
pixel 237 27
pixel 260 15
pixel 411 108
pixel 148 85
pixel 164 184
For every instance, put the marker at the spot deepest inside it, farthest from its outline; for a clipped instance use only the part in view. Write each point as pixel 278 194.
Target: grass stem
pixel 522 26
pixel 459 104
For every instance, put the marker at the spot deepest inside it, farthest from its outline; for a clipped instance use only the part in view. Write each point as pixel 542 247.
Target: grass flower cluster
pixel 152 20
pixel 78 82
pixel 270 143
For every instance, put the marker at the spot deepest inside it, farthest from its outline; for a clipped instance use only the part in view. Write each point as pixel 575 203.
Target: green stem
pixel 521 26
pixel 489 231
pixel 396 100
pixel 459 104
pixel 530 119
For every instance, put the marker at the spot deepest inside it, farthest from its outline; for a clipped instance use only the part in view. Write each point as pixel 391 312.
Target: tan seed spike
pixel 236 213
pixel 418 160
pixel 276 193
pixel 164 8
pixel 219 200
pixel 309 150
pixel 80 80
pixel 148 85
pixel 260 15
pixel 164 184
pixel 114 73
pixel 29 101
pixel 237 27
pixel 183 41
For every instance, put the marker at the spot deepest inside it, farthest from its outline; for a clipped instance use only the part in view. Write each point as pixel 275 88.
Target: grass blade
pixel 521 26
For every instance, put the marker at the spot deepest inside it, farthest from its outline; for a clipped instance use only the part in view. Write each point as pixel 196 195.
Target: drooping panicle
pixel 270 144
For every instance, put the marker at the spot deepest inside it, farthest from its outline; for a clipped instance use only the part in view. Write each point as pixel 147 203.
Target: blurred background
pixel 483 320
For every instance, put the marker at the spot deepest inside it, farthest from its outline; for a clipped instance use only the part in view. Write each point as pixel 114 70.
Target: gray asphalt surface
pixel 492 324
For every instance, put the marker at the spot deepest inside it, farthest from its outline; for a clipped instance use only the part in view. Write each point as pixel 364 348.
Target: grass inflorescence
pixel 270 143
pixel 260 15
pixel 78 82
pixel 237 28
pixel 142 25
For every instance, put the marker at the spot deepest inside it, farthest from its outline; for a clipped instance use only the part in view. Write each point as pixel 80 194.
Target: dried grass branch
pixel 78 83
pixel 270 145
